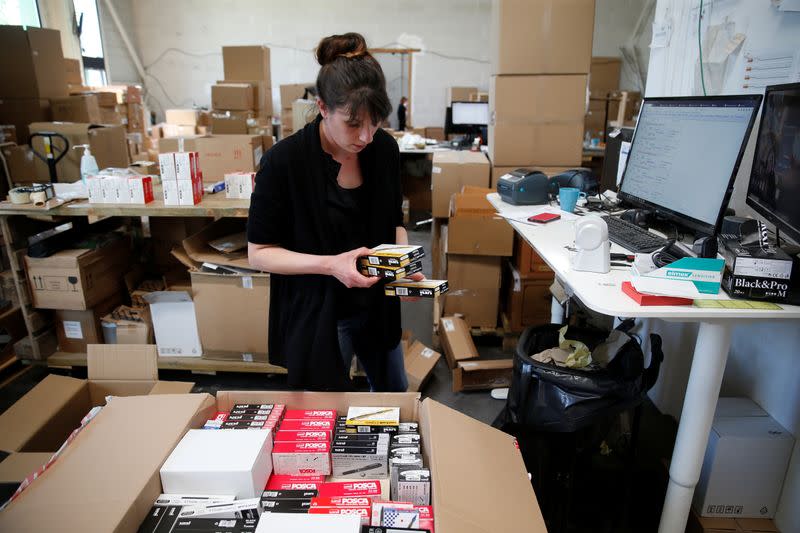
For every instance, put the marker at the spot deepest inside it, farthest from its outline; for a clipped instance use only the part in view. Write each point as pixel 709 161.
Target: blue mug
pixel 568 197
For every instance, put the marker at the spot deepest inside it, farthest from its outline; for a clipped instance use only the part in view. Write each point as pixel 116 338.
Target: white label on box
pixel 258 151
pixel 763 268
pixel 401 291
pixel 247 357
pixel 428 353
pixel 436 170
pixel 247 282
pixel 373 260
pixel 372 271
pixel 448 325
pixel 72 329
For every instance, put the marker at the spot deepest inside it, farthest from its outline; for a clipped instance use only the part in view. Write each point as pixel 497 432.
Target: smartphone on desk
pixel 544 218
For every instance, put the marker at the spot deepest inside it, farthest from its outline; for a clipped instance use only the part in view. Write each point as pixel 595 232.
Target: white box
pixel 225 461
pixel 123 190
pixel 246 184
pixel 185 165
pixel 744 467
pixel 95 186
pixel 175 325
pixel 737 406
pixel 232 185
pixel 109 189
pixel 186 192
pixel 170 190
pixel 166 164
pixel 140 189
pixel 308 523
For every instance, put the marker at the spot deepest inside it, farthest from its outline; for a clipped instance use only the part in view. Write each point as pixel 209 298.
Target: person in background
pixel 325 196
pixel 401 114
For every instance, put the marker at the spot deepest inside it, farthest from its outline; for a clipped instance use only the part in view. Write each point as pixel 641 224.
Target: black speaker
pixel 705 247
pixel 731 225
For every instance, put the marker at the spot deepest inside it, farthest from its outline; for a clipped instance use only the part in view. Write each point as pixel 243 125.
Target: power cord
pixel 700 46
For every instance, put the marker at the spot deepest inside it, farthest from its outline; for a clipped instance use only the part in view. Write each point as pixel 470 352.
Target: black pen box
pixel 289 494
pixel 361 459
pixel 427 288
pixel 391 272
pixel 285 506
pixel 755 273
pixel 216 525
pixel 392 255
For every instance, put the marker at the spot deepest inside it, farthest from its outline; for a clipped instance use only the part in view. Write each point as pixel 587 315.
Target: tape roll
pixel 39 198
pixel 19 195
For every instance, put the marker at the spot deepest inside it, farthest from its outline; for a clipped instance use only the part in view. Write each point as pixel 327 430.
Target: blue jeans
pixel 385 369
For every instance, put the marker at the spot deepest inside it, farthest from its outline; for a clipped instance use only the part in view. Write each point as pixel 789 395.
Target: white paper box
pixel 166 164
pixel 225 461
pixel 95 186
pixel 186 192
pixel 185 166
pixel 109 189
pixel 170 190
pixel 308 523
pixel 175 326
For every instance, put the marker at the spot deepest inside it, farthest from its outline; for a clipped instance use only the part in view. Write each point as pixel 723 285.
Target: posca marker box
pixel 391 272
pixel 301 458
pixel 427 288
pixel 284 482
pixel 392 255
pixel 362 487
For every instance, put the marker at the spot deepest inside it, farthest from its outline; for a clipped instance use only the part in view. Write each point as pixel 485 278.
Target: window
pixel 88 21
pixel 19 13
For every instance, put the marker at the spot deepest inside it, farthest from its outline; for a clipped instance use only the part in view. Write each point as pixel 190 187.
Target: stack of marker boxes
pixel 181 178
pixel 248 416
pixel 104 189
pixel 392 261
pixel 240 185
pixel 302 444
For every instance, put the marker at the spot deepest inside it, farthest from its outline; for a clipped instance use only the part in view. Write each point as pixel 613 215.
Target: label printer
pixel 524 186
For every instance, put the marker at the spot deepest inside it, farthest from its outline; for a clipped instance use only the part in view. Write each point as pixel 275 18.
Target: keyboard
pixel 632 237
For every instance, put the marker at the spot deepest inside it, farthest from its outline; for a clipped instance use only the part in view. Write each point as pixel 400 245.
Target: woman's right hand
pixel 343 267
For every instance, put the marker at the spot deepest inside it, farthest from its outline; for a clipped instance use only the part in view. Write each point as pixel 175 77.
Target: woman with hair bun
pixel 325 196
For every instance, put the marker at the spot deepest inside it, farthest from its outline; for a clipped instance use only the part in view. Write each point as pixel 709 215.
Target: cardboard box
pixel 45 342
pixel 456 340
pixel 222 154
pixel 175 130
pixel 32 63
pixel 505 485
pixel 20 163
pixel 528 301
pixel 536 120
pixel 225 332
pixel 20 112
pixel 604 75
pixel 541 36
pixel 78 108
pixel 730 487
pixel 452 170
pixel 233 96
pixel 476 229
pixel 174 323
pixel 246 63
pixel 77 279
pixel 701 524
pixel 435 133
pixel 77 329
pixel 459 94
pixel 43 418
pixel 199 251
pixel 474 289
pixel 482 375
pixel 108 145
pixel 303 112
pixel 262 103
pixel 291 92
pixel 419 363
pixel 528 263
pixel 127 325
pixel 73 71
pixel 182 117
pixel 219 462
pixel 231 122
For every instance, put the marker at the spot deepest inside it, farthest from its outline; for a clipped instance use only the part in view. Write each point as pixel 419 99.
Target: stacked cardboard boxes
pixel 32 64
pixel 242 102
pixel 526 290
pixel 221 154
pixel 233 107
pixel 537 91
pixel 604 76
pixel 290 93
pixel 181 123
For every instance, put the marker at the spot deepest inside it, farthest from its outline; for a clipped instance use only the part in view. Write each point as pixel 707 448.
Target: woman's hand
pixel 343 267
pixel 419 276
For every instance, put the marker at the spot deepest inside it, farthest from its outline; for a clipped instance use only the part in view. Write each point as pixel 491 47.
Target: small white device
pixel 594 249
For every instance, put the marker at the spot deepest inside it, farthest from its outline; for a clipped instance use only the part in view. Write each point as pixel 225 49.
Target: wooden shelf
pixel 197 364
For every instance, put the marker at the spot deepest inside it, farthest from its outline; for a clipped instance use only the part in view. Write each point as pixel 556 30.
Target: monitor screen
pixel 774 189
pixel 685 154
pixel 471 113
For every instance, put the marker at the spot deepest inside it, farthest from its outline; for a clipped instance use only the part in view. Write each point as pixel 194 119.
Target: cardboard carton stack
pixel 221 154
pixel 181 178
pixel 32 64
pixel 526 282
pixel 180 123
pixel 604 76
pixel 537 91
pixel 290 93
pixel 242 102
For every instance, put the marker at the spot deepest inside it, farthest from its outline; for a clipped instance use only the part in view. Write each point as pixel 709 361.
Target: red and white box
pixel 216 421
pixel 190 192
pixel 240 184
pixel 140 189
pixel 282 482
pixel 170 190
pixel 310 414
pixel 341 501
pixel 366 487
pixel 365 513
pixel 187 166
pixel 425 516
pixel 308 425
pixel 301 436
pixel 302 458
pixel 166 165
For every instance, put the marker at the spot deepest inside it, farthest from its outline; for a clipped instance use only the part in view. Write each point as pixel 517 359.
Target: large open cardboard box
pixel 479 479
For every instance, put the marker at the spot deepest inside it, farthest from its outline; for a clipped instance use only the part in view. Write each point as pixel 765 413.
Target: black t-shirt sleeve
pixel 267 221
pixel 398 188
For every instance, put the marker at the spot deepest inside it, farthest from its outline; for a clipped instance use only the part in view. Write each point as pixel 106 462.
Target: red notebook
pixel 650 299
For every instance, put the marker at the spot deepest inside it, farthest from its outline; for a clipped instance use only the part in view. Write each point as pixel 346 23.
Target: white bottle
pixel 88 163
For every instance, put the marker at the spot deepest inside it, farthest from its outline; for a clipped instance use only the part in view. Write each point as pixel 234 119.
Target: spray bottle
pixel 88 163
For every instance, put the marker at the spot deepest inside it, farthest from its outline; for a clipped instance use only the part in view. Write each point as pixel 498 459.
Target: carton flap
pixel 467 455
pixel 17 466
pixel 419 362
pixel 172 387
pixel 122 362
pixel 91 487
pixel 179 253
pixel 492 364
pixel 197 247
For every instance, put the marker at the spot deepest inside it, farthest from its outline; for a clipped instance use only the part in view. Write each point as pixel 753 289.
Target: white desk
pixel 602 293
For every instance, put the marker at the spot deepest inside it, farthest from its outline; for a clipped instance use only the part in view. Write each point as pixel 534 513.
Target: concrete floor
pixel 597 495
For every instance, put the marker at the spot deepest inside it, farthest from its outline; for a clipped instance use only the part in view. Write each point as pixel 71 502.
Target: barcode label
pixel 373 261
pixel 448 325
pixel 428 353
pixel 72 329
pixel 247 357
pixel 247 282
pixel 401 291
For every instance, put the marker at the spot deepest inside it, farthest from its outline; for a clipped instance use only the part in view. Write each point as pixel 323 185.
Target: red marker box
pixel 342 501
pixel 310 414
pixel 308 425
pixel 364 512
pixel 425 516
pixel 301 436
pixel 301 458
pixel 280 482
pixel 366 487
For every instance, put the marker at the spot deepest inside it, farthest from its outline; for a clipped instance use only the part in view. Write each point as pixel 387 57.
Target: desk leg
pixel 702 392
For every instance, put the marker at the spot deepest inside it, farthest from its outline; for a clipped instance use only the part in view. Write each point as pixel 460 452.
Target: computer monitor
pixel 470 113
pixel 684 157
pixel 774 189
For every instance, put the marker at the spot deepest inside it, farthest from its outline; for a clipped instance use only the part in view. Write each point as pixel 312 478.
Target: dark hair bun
pixel 348 45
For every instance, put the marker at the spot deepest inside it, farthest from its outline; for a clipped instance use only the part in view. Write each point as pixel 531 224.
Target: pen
pixel 366 415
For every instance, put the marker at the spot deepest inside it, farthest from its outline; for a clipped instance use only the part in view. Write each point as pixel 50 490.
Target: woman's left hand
pixel 419 276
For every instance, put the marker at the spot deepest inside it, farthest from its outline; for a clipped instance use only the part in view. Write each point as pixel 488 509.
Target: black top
pixel 295 206
pixel 401 117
